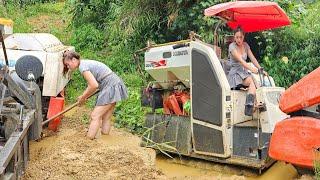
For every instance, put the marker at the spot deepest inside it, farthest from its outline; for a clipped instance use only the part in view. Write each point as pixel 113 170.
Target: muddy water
pixel 196 169
pixel 199 169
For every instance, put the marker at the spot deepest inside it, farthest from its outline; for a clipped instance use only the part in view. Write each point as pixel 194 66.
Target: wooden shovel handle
pixel 66 110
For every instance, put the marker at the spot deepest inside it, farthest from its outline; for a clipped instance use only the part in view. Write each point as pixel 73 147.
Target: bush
pixel 299 43
pixel 88 37
pixel 129 113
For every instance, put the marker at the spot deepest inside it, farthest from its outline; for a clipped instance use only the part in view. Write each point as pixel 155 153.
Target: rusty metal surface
pixel 168 133
pixel 246 162
pixel 14 141
pixel 14 154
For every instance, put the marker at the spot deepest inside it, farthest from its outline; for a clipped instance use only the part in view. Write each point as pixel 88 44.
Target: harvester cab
pixel 202 117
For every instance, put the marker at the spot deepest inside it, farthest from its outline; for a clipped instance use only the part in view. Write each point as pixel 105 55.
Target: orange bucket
pixel 56 105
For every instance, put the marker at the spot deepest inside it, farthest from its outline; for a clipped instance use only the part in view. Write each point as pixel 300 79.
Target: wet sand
pixel 68 154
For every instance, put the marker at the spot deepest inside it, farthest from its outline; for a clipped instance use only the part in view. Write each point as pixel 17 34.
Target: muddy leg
pixel 96 119
pixel 106 120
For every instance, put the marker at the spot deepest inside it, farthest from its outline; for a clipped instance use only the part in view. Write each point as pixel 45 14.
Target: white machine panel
pixel 167 64
pixel 48 49
pixel 270 97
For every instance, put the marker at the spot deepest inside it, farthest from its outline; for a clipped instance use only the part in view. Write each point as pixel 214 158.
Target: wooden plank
pixel 9 150
pixel 25 151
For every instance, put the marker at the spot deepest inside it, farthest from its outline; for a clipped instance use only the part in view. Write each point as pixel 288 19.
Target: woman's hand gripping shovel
pixel 66 110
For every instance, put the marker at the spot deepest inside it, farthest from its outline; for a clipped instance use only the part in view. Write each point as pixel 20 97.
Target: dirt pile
pixel 69 155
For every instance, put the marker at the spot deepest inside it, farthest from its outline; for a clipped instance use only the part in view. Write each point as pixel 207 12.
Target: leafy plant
pixel 88 37
pixel 298 44
pixel 129 113
pixel 317 163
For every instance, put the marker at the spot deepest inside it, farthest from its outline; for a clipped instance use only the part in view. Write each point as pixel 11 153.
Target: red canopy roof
pixel 250 15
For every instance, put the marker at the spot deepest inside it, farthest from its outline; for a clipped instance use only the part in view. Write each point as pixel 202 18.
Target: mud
pixel 190 168
pixel 68 154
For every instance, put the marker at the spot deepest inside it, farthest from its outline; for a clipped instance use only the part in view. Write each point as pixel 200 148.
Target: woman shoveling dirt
pixel 111 87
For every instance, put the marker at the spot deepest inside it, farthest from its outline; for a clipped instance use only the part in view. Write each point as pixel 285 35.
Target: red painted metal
pixel 251 16
pixel 295 139
pixel 173 104
pixel 304 93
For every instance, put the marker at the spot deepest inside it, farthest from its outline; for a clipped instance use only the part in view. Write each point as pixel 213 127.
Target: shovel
pixel 66 110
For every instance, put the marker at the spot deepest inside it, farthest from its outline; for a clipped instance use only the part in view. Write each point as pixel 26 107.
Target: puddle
pixel 191 168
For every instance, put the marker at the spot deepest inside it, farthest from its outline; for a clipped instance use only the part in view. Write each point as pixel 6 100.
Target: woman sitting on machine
pixel 239 76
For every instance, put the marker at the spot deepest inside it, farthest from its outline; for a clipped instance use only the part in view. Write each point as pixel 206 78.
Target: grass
pixel 44 17
pixel 317 163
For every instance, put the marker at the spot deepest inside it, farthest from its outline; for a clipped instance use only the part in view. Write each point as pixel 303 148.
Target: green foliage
pixel 85 118
pixel 88 37
pixel 41 17
pixel 116 29
pixel 78 85
pixel 299 43
pixel 129 113
pixel 25 3
pixel 317 170
pixel 317 163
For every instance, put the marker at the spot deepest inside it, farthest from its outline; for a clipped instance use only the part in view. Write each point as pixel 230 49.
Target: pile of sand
pixel 68 154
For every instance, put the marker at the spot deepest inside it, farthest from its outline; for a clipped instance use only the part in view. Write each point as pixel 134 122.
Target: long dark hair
pixel 67 56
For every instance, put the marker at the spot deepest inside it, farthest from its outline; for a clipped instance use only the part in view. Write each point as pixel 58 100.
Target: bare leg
pixel 96 119
pixel 249 82
pixel 106 120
